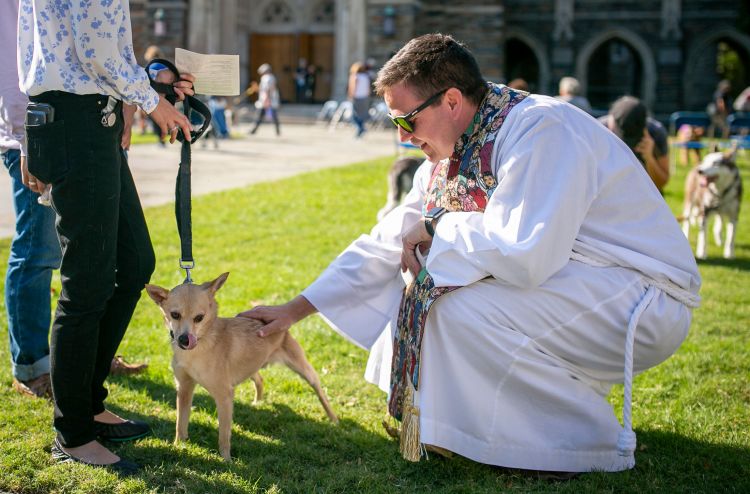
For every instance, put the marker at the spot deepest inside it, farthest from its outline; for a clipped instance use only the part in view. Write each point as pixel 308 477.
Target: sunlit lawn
pixel 691 413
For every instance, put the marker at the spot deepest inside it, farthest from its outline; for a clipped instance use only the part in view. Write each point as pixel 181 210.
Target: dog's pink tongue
pixel 703 181
pixel 192 341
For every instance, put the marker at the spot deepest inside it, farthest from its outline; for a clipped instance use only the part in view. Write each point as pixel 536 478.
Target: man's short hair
pixel 431 63
pixel 629 118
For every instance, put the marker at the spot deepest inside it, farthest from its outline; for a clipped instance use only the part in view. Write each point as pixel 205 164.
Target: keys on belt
pixel 109 117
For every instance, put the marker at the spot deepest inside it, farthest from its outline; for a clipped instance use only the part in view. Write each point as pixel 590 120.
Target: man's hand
pixel 279 318
pixel 30 180
pixel 415 238
pixel 128 114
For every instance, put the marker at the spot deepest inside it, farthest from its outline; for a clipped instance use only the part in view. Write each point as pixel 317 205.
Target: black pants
pixel 107 254
pixel 259 120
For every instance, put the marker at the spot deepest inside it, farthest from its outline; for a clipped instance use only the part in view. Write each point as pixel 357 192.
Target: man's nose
pixel 403 134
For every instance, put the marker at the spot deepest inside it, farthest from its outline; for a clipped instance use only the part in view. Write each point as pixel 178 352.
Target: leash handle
pixel 190 102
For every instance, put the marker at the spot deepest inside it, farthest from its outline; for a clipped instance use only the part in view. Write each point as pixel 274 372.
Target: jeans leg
pixel 135 264
pixel 34 254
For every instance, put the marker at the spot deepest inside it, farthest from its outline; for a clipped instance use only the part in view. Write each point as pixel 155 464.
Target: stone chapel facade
pixel 663 51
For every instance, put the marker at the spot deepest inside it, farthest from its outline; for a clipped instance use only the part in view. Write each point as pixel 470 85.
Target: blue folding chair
pixel 739 130
pixel 693 118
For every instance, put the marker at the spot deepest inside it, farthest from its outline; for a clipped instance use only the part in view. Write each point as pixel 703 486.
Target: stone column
pixel 350 35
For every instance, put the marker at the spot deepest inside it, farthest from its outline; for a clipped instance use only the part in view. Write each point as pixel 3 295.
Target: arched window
pixel 614 69
pixel 521 63
pixel 277 12
pixel 324 12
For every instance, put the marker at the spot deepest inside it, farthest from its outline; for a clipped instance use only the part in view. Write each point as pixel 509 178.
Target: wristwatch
pixel 431 218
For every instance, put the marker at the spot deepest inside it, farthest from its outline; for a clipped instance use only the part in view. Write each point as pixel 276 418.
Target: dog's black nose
pixel 183 340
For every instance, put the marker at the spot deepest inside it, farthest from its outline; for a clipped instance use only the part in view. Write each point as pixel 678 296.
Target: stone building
pixel 665 51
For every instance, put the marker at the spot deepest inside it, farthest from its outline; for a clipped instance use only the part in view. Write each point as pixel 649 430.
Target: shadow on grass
pixel 738 263
pixel 276 448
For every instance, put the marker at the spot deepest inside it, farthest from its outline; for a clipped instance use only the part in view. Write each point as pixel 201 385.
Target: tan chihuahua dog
pixel 219 353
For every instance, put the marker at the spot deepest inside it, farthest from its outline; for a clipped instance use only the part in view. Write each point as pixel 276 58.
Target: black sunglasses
pixel 405 121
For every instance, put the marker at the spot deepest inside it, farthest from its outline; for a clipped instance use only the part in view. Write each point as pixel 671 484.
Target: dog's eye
pixel 198 318
pixel 175 315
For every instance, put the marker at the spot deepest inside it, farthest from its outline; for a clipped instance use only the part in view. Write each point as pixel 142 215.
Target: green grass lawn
pixel 692 413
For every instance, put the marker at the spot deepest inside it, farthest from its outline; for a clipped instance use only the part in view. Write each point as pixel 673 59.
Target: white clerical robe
pixel 518 362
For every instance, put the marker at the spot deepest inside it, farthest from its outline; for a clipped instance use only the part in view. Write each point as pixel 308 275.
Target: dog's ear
pixel 157 293
pixel 730 153
pixel 214 285
pixel 715 148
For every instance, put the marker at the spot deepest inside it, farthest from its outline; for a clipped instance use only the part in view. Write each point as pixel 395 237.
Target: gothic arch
pixel 276 13
pixel 540 51
pixel 693 94
pixel 648 86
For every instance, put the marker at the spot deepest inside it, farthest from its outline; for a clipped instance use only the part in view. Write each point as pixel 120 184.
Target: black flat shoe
pixel 122 467
pixel 129 430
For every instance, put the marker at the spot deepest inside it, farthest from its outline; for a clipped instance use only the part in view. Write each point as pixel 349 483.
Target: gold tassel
pixel 411 448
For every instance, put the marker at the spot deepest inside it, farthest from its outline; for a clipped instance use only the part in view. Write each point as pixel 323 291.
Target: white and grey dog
pixel 714 187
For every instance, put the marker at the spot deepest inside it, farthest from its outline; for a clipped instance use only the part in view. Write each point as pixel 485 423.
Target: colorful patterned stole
pixel 464 182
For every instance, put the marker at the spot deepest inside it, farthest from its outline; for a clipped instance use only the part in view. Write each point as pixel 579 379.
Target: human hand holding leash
pixel 170 120
pixel 278 318
pixel 166 116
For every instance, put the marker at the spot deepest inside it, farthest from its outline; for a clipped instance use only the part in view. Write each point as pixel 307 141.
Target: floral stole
pixel 464 182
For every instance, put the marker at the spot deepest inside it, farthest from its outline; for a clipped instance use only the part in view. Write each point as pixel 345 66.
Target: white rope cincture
pixel 626 439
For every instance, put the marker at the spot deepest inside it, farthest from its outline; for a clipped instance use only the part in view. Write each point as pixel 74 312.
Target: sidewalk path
pixel 239 162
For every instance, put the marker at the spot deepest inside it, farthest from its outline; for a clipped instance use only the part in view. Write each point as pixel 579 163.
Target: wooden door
pixel 279 50
pixel 321 54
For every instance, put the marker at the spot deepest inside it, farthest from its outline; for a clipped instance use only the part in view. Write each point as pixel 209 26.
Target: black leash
pixel 182 205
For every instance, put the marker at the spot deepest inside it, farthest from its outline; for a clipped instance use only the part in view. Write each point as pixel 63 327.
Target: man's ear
pixel 214 285
pixel 157 293
pixel 454 98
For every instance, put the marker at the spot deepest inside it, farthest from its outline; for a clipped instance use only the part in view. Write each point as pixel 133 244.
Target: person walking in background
pixel 268 98
pixel 85 79
pixel 719 109
pixel 628 119
pixel 35 250
pixel 359 88
pixel 569 90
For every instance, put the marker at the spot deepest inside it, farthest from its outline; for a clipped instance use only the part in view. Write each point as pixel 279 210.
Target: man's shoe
pixel 122 467
pixel 130 430
pixel 39 387
pixel 120 367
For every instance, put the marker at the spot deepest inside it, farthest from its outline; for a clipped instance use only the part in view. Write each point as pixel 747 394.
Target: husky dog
pixel 714 187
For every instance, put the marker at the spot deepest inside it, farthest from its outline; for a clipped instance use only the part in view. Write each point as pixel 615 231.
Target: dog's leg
pixel 258 381
pixel 729 240
pixel 224 398
pixel 717 230
pixel 185 389
pixel 700 248
pixel 294 357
